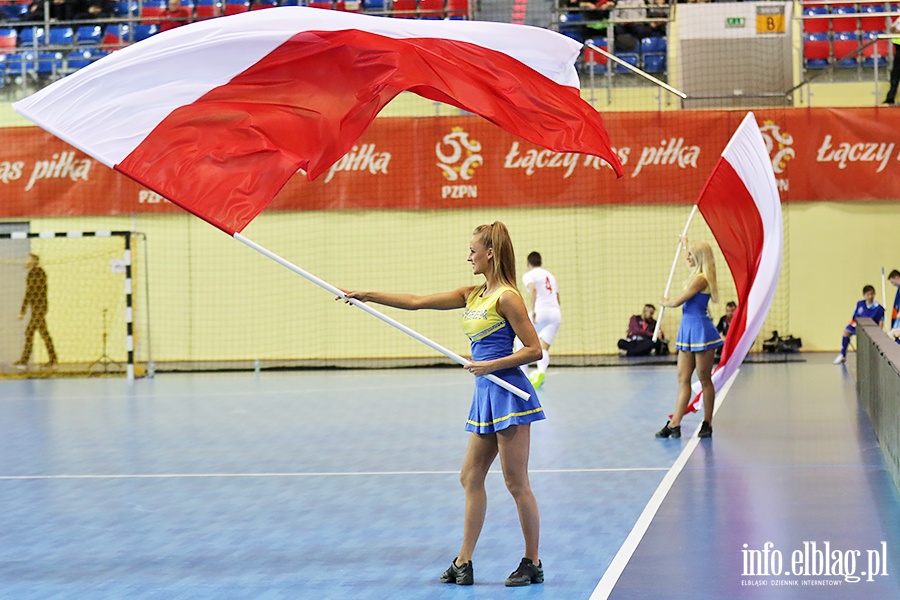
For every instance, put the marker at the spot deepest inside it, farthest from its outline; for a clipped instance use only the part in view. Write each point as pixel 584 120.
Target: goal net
pixel 67 306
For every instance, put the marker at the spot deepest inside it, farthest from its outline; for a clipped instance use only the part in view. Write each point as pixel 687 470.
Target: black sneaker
pixel 666 431
pixel 526 574
pixel 705 430
pixel 463 575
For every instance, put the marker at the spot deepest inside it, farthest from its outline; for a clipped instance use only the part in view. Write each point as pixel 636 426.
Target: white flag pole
pixel 672 271
pixel 379 315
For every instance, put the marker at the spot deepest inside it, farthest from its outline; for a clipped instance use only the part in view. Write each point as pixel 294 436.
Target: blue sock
pixel 845 343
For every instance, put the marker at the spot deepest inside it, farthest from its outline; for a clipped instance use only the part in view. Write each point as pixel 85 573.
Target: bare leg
pixel 686 364
pixel 480 453
pixel 705 362
pixel 515 445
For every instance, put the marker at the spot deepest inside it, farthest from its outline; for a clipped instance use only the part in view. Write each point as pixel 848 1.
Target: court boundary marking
pixel 611 577
pixel 311 474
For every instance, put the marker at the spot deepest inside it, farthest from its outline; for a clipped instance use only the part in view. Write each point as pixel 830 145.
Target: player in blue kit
pixel 867 307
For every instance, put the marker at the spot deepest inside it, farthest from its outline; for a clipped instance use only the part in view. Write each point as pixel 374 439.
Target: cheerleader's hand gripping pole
pixel 662 309
pixel 375 313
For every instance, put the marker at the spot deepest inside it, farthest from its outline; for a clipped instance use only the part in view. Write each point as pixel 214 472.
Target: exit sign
pixel 735 22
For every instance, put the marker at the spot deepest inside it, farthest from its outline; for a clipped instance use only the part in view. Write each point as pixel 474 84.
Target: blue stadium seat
pixel 572 25
pixel 49 63
pixel 655 63
pixel 815 25
pixel 126 8
pixel 89 35
pixel 61 36
pixel 653 45
pixel 373 5
pixel 19 64
pixel 28 36
pixel 14 12
pixel 142 31
pixel 632 58
pixel 82 58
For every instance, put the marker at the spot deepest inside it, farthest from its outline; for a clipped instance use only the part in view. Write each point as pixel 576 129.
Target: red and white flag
pixel 218 115
pixel 741 205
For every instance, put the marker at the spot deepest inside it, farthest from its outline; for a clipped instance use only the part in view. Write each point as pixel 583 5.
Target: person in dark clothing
pixel 638 341
pixel 36 298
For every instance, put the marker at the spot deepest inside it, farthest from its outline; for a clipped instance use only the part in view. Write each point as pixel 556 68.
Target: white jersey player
pixel 545 313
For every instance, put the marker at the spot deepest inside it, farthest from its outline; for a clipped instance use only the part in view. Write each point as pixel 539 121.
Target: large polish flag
pixel 741 205
pixel 218 115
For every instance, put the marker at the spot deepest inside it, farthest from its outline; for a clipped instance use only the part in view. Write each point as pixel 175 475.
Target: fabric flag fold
pixel 741 205
pixel 218 115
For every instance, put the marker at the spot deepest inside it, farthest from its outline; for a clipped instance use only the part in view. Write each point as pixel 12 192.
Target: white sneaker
pixel 841 359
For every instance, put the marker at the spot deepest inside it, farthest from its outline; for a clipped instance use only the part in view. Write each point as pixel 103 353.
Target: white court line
pixel 322 474
pixel 618 564
pixel 255 393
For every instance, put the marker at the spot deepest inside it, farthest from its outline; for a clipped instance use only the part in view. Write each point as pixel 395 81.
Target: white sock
pixel 543 362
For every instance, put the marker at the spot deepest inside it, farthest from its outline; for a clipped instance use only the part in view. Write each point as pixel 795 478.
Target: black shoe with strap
pixel 463 575
pixel 666 431
pixel 705 430
pixel 526 574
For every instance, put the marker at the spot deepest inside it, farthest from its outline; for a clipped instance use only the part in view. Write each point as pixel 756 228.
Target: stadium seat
pixel 116 35
pixel 49 63
pixel 632 58
pixel 572 25
pixel 375 6
pixel 873 23
pixel 431 9
pixel 89 35
pixel 815 25
pixel 207 9
pixel 233 7
pixel 655 63
pixel 868 52
pixel 594 61
pixel 152 11
pixel 653 45
pixel 845 42
pixel 348 5
pixel 403 9
pixel 14 12
pixel 20 64
pixel 458 9
pixel 78 59
pixel 816 50
pixel 842 23
pixel 261 4
pixel 30 36
pixel 126 8
pixel 61 36
pixel 7 38
pixel 144 30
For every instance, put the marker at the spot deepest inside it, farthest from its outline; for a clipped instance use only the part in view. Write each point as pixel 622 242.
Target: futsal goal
pixel 68 304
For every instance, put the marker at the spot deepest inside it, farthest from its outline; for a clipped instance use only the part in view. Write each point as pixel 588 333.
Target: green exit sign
pixel 735 22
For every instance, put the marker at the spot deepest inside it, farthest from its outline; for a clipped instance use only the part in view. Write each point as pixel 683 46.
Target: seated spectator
pixel 596 14
pixel 60 10
pixel 659 9
pixel 628 34
pixel 175 15
pixel 94 9
pixel 725 321
pixel 639 339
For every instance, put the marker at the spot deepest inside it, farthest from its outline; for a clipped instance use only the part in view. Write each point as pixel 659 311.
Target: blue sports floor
pixel 343 484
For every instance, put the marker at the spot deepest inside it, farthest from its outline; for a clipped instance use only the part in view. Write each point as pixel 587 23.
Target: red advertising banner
pixel 460 162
